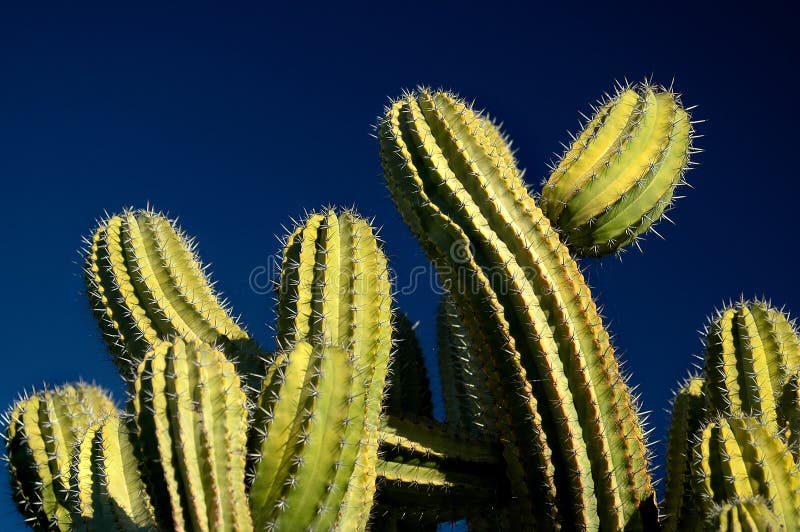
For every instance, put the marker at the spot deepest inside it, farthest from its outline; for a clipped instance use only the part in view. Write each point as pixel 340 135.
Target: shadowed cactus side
pixel 409 390
pixel 574 443
pixel 619 175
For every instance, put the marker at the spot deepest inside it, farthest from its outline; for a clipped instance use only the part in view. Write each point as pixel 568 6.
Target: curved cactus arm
pixel 748 515
pixel 620 173
pixel 190 418
pixel 750 349
pixel 741 457
pixel 40 434
pixel 688 414
pixel 453 185
pixel 109 492
pixel 334 290
pixel 468 400
pixel 146 284
pixel 408 390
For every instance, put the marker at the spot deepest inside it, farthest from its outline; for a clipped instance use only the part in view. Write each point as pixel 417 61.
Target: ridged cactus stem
pixel 741 457
pixel 468 401
pixel 190 417
pixel 146 284
pixel 750 350
pixel 688 413
pixel 409 390
pixel 456 185
pixel 110 494
pixel 41 432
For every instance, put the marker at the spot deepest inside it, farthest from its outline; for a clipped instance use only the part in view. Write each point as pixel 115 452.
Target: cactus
pixel 190 418
pixel 41 431
pixel 688 413
pixel 740 457
pixel 751 348
pixel 746 515
pixel 409 391
pixel 542 431
pixel 109 492
pixel 574 444
pixel 468 401
pixel 619 175
pixel 146 284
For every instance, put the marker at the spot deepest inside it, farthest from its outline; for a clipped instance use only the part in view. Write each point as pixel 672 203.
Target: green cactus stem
pixel 750 350
pixel 688 414
pixel 745 515
pixel 41 431
pixel 190 417
pixel 468 402
pixel 146 284
pixel 741 457
pixel 789 413
pixel 409 390
pixel 574 444
pixel 619 175
pixel 334 290
pixel 109 492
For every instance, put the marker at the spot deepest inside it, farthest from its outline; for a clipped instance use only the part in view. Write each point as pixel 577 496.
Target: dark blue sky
pixel 239 119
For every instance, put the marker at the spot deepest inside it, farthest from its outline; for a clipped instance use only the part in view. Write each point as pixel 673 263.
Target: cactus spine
pixel 455 182
pixel 41 431
pixel 746 515
pixel 620 173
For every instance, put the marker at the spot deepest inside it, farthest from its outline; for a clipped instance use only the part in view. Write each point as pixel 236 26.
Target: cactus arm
pixel 190 413
pixel 110 491
pixel 687 417
pixel 468 401
pixel 789 414
pixel 41 432
pixel 408 390
pixel 451 167
pixel 146 285
pixel 741 457
pixel 619 176
pixel 747 515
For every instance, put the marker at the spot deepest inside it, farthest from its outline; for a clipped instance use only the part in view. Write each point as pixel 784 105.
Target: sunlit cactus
pixel 752 514
pixel 619 175
pixel 41 432
pixel 146 284
pixel 574 444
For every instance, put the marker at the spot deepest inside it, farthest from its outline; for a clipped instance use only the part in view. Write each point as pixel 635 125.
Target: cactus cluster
pixel 334 429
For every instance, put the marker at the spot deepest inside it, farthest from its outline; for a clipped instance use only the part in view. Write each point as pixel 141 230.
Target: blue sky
pixel 239 119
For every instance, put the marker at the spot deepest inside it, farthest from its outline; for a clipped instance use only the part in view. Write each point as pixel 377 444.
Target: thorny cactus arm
pixel 454 181
pixel 109 491
pixel 620 173
pixel 41 432
pixel 146 284
pixel 752 514
pixel 190 418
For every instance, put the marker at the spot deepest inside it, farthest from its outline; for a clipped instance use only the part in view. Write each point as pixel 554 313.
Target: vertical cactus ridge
pixel 741 457
pixel 746 515
pixel 750 350
pixel 789 413
pixel 443 163
pixel 191 421
pixel 146 284
pixel 468 402
pixel 619 175
pixel 409 390
pixel 110 494
pixel 41 430
pixel 688 413
pixel 334 290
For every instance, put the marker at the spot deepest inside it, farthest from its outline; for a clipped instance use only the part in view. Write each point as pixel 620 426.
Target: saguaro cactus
pixel 575 446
